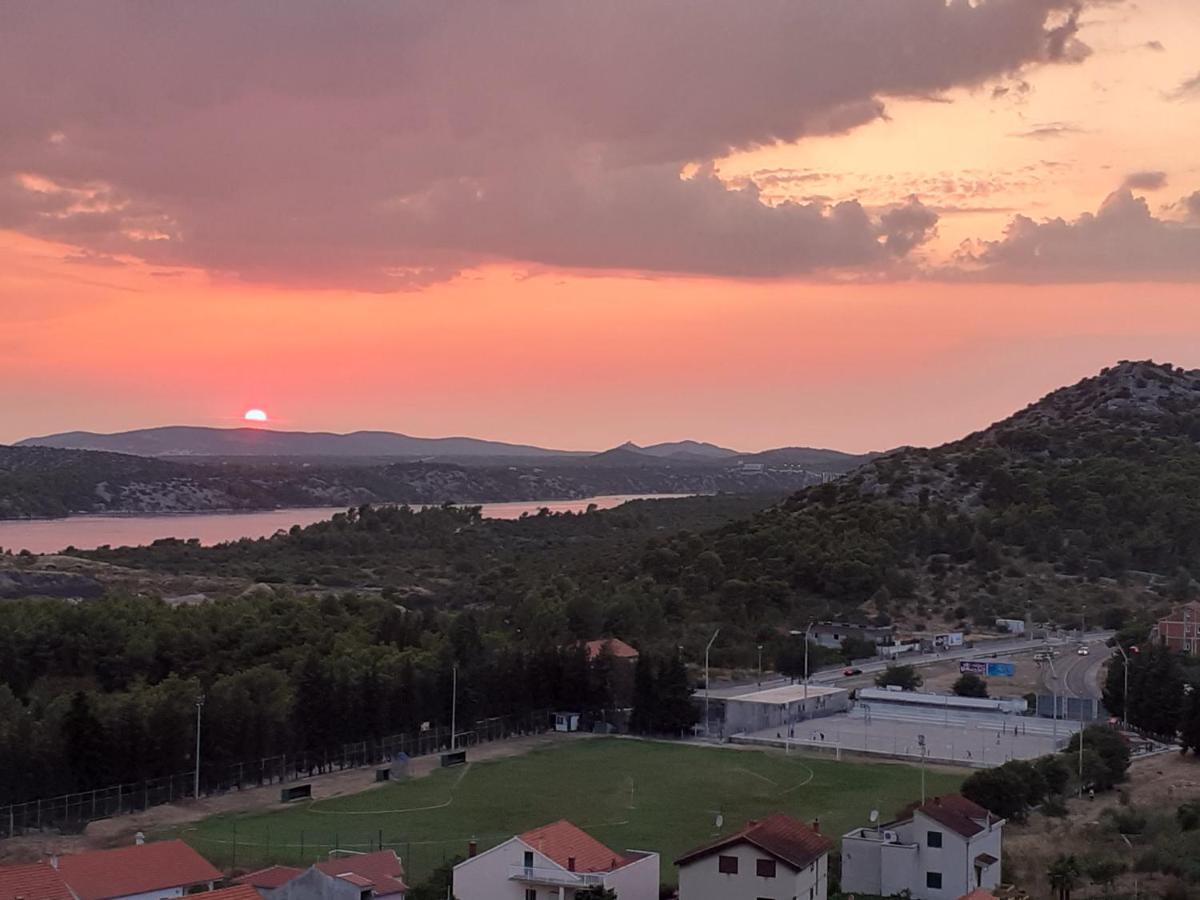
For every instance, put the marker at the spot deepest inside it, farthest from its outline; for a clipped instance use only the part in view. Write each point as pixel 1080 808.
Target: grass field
pixel 629 794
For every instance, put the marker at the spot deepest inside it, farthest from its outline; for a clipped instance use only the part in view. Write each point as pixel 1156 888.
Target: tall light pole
pixel 707 647
pixel 196 781
pixel 805 632
pixel 760 646
pixel 454 708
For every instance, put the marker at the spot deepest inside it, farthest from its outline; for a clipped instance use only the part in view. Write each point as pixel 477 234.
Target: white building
pixel 944 849
pixel 552 863
pixel 777 857
pixel 782 707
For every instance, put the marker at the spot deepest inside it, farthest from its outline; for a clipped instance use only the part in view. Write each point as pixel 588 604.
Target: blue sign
pixel 1001 670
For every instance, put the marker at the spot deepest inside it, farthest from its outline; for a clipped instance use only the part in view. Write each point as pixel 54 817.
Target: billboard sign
pixel 987 669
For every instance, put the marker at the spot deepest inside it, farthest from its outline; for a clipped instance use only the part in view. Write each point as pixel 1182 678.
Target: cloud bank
pixel 1122 241
pixel 378 145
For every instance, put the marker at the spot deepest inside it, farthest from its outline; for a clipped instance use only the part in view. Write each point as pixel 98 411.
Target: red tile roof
pixel 617 647
pixel 978 894
pixel 270 877
pixel 236 892
pixel 785 838
pixel 38 881
pixel 962 816
pixel 561 841
pixel 102 874
pixel 381 870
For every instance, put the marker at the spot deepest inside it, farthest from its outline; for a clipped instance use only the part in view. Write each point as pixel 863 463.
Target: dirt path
pixel 120 830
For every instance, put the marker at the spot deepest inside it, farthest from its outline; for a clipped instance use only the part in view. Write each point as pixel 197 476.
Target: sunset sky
pixel 841 223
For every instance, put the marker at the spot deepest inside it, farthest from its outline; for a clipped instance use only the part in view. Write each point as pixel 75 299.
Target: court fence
pixel 70 813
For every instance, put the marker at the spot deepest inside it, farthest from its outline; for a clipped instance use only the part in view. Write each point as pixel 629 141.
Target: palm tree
pixel 1064 876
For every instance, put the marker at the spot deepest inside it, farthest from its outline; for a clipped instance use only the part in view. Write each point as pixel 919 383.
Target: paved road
pixel 833 674
pixel 1077 676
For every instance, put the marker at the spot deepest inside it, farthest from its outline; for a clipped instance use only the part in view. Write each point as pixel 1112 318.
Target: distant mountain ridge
pixel 193 440
pixel 183 441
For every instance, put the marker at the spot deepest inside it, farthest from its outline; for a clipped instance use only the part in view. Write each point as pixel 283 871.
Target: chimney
pixel 570 864
pixel 472 849
pixel 139 839
pixel 817 825
pixel 54 860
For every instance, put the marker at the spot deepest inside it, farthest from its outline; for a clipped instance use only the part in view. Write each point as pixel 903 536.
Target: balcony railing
pixel 548 875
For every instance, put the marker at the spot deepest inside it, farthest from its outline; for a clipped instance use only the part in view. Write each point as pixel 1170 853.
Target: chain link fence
pixel 70 813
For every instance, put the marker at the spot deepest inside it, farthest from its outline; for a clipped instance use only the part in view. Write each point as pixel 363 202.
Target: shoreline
pixel 259 510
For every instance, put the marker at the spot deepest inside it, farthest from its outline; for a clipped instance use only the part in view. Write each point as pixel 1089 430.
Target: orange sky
pixel 512 348
pixel 568 361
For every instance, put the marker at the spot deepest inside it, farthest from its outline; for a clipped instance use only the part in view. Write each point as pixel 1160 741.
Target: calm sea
pixel 89 532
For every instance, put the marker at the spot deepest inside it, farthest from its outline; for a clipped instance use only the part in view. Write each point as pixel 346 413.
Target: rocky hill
pixel 43 482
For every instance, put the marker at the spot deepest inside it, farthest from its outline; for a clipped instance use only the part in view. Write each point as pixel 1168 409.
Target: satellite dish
pixel 720 820
pixel 874 817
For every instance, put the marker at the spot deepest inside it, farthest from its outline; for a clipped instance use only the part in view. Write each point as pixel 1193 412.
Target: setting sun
pixel 255 415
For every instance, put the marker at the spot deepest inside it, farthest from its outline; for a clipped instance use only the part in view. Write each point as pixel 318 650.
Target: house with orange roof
pixel 554 862
pixel 616 647
pixel 360 876
pixel 938 850
pixel 138 872
pixel 773 857
pixel 37 881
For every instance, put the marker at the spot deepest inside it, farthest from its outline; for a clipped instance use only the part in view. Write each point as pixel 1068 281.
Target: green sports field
pixel 630 794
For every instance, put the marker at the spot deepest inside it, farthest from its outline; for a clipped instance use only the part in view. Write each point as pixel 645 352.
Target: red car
pixel 851 671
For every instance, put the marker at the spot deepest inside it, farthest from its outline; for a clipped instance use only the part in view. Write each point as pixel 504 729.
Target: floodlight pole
pixel 707 647
pixel 454 708
pixel 196 781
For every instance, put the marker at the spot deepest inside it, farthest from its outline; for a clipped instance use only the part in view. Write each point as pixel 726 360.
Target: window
pixel 727 865
pixel 530 894
pixel 764 868
pixel 933 880
pixel 528 863
pixel 934 839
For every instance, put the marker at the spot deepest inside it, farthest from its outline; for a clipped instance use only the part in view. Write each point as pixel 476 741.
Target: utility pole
pixel 921 743
pixel 196 782
pixel 806 633
pixel 707 647
pixel 760 646
pixel 1081 751
pixel 1054 697
pixel 454 708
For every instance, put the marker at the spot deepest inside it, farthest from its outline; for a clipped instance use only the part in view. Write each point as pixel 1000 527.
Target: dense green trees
pixel 906 677
pixel 1109 762
pixel 280 675
pixel 970 685
pixel 662 701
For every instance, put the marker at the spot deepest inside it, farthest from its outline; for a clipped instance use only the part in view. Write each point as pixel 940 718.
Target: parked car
pixel 851 671
pixel 1083 651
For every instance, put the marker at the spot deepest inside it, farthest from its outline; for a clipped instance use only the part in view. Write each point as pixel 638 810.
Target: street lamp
pixel 805 632
pixel 454 708
pixel 760 646
pixel 196 782
pixel 707 647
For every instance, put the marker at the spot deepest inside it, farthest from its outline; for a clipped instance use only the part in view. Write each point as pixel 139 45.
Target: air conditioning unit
pixel 890 837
